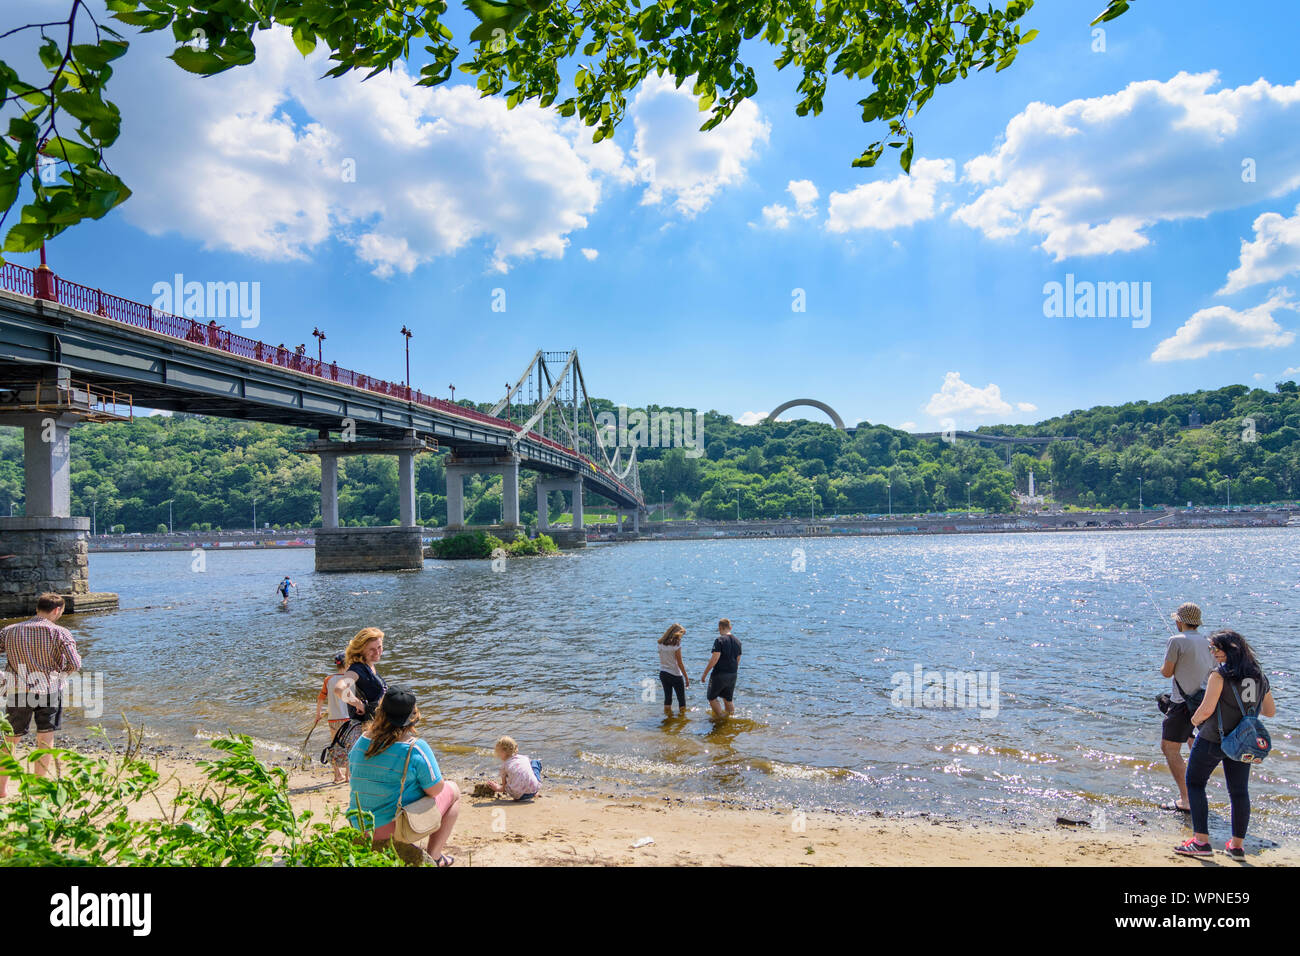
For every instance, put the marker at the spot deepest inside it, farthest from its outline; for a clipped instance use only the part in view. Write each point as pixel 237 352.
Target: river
pixel 560 653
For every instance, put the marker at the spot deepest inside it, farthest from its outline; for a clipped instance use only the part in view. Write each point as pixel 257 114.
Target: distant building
pixel 1194 420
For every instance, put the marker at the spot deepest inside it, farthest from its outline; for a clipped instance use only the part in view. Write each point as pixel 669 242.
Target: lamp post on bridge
pixel 889 490
pixel 408 333
pixel 1139 494
pixel 453 393
pixel 320 337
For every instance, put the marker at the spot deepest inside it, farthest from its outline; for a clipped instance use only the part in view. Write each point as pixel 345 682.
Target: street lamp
pixel 408 333
pixel 254 514
pixel 320 337
pixel 1139 494
pixel 453 393
pixel 169 516
pixel 94 513
pixel 1227 480
pixel 889 490
pixel 968 498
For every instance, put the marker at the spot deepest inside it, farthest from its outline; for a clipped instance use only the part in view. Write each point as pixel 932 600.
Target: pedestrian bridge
pixel 123 354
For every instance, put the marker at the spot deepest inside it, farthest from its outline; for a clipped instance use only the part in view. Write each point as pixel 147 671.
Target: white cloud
pixel 804 192
pixel 958 398
pixel 1274 253
pixel 1222 329
pixel 1027 406
pixel 1091 177
pixel 591 254
pixel 260 161
pixel 751 418
pixel 677 161
pixel 906 427
pixel 888 204
pixel 776 216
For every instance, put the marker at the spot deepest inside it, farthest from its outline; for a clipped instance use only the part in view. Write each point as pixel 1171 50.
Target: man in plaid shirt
pixel 38 655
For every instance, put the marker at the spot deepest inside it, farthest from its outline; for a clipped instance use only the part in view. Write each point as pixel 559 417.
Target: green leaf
pixel 203 62
pixel 303 38
pixel 905 157
pixel 1028 37
pixel 25 237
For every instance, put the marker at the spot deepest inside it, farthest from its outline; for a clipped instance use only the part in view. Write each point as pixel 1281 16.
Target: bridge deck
pixel 170 362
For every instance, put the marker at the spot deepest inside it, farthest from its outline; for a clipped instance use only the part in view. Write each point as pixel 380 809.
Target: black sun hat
pixel 399 706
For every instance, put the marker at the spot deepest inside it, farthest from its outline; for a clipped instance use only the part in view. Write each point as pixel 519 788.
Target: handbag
pixel 1249 741
pixel 341 745
pixel 415 821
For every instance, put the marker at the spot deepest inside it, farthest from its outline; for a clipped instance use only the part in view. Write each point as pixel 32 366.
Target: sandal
pixel 1175 806
pixel 446 860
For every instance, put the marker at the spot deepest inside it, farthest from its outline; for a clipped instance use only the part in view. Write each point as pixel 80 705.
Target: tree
pixel 581 59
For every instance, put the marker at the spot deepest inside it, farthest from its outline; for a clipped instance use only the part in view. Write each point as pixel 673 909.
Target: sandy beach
pixel 571 826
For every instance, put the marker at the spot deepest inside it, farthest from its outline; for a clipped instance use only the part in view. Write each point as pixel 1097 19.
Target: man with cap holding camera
pixel 1188 663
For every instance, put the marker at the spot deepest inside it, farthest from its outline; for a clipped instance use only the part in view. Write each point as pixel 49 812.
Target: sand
pixel 578 827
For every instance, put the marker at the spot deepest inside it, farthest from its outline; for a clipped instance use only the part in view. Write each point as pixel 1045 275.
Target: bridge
pixel 69 353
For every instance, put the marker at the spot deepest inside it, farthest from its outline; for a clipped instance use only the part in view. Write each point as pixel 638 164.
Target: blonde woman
pixel 362 654
pixel 389 761
pixel 672 672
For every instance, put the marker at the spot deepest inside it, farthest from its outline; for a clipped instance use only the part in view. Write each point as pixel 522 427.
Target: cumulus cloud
pixel 679 163
pixel 906 427
pixel 888 204
pixel 271 161
pixel 591 254
pixel 751 418
pixel 956 397
pixel 1027 406
pixel 804 193
pixel 1091 177
pixel 1273 254
pixel 1222 329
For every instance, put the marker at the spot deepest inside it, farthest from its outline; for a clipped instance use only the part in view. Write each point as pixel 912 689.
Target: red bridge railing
pixel 47 285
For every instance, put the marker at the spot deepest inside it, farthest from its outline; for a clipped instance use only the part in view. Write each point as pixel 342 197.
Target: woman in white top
pixel 672 672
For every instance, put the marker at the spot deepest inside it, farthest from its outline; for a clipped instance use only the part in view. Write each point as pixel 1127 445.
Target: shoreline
pixel 572 825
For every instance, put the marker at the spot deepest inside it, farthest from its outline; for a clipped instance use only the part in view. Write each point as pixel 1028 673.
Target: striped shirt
pixel 39 652
pixel 376 780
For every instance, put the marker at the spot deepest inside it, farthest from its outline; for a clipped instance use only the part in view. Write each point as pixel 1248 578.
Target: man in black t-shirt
pixel 724 664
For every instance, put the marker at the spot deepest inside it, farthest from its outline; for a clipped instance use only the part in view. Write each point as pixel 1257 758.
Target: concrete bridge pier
pixel 367 549
pixel 635 515
pixel 46 548
pixel 575 536
pixel 459 468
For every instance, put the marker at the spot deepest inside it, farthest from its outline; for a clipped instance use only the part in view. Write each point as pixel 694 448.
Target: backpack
pixel 341 745
pixel 1249 741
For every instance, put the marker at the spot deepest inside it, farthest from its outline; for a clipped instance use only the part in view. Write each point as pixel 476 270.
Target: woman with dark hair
pixel 1237 682
pixel 390 764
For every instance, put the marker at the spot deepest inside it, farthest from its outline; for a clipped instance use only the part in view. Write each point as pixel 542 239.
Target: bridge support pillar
pixel 635 515
pixel 329 489
pixel 367 549
pixel 406 487
pixel 458 468
pixel 577 503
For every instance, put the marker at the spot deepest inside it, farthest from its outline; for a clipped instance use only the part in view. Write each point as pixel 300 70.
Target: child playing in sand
pixel 520 777
pixel 337 695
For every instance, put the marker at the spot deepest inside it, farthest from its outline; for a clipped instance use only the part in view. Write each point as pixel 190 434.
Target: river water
pixel 560 653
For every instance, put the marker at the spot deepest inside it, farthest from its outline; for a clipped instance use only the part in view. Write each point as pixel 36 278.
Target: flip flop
pixel 446 860
pixel 1175 806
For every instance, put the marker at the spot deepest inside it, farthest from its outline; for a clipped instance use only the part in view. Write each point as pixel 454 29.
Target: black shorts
pixel 722 685
pixel 48 719
pixel 1177 727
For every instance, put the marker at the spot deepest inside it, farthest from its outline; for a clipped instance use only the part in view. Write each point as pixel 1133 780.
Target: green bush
pixel 241 816
pixel 480 545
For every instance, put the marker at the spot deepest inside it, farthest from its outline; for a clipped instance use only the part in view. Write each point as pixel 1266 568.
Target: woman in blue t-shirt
pixel 1238 671
pixel 377 762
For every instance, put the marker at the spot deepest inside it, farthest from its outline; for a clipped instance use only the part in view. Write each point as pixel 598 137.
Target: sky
pixel 737 269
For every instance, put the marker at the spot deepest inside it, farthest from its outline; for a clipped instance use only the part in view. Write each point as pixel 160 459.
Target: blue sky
pixel 924 295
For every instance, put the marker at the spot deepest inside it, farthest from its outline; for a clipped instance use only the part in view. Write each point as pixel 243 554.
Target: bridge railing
pixel 22 280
